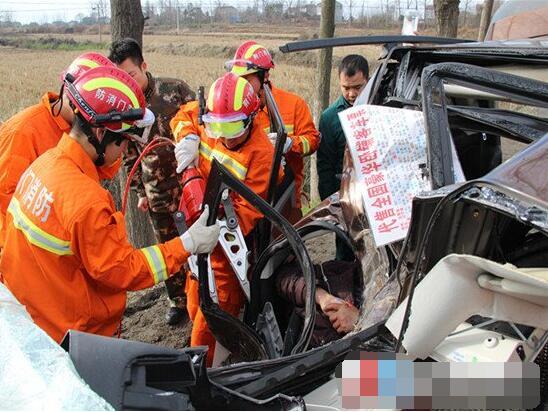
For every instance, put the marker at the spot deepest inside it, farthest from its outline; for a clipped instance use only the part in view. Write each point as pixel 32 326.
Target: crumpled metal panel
pixel 526 173
pixel 503 202
pixel 379 306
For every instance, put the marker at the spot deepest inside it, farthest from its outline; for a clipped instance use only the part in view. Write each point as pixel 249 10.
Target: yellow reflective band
pixel 179 127
pixel 239 93
pixel 252 50
pixel 34 234
pixel 306 145
pixel 156 263
pixel 232 165
pixel 288 128
pixel 85 62
pixel 102 82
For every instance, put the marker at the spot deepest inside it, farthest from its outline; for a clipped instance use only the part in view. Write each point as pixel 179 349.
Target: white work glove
pixel 200 238
pixel 288 142
pixel 186 151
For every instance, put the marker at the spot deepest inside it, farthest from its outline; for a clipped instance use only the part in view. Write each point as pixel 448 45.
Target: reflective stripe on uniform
pixel 236 168
pixel 180 126
pixel 306 145
pixel 289 128
pixel 34 234
pixel 156 262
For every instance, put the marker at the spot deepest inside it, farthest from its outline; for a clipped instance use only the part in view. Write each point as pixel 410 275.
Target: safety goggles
pixel 228 130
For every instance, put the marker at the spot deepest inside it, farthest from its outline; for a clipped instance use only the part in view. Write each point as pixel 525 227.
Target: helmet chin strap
pixel 100 149
pixel 92 139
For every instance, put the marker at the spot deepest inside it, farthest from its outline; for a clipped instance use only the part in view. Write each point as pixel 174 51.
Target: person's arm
pixel 185 122
pixel 324 298
pixel 291 286
pixel 99 237
pixel 11 169
pixel 305 136
pixel 16 154
pixel 342 315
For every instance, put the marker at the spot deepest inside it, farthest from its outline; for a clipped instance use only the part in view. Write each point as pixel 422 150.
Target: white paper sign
pixel 387 147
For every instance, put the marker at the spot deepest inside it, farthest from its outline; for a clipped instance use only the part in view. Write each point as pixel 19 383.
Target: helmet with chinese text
pixel 107 97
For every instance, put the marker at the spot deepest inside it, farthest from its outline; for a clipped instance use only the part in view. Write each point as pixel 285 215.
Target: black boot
pixel 175 315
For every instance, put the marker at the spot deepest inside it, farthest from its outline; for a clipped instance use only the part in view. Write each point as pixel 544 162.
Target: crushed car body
pixel 467 93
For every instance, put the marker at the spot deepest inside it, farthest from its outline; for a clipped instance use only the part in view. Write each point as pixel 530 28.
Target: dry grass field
pixel 197 58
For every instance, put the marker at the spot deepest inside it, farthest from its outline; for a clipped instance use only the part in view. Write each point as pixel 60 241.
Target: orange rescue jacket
pixel 23 138
pixel 300 128
pixel 67 257
pixel 251 162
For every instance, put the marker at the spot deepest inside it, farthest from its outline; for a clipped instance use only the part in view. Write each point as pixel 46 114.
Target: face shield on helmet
pixel 241 67
pixel 231 106
pixel 250 58
pixel 228 130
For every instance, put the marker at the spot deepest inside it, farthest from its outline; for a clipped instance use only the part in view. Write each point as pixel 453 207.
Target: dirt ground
pixel 144 319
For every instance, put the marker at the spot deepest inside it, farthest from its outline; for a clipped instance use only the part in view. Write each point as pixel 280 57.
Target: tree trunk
pixel 485 19
pixel 127 20
pixel 138 225
pixel 327 29
pixel 447 17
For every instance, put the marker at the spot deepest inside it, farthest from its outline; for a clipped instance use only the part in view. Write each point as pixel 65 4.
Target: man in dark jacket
pixel 155 180
pixel 353 76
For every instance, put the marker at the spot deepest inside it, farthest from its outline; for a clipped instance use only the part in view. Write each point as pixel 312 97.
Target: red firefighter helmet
pixel 85 62
pixel 107 97
pixel 250 58
pixel 231 105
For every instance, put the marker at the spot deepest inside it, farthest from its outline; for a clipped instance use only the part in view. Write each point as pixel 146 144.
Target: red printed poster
pixel 387 147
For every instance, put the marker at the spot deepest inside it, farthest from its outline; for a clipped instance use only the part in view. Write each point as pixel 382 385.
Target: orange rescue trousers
pixel 231 300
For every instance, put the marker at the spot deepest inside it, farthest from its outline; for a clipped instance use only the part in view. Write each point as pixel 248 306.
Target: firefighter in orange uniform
pixel 231 135
pixel 36 129
pixel 253 62
pixel 66 255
